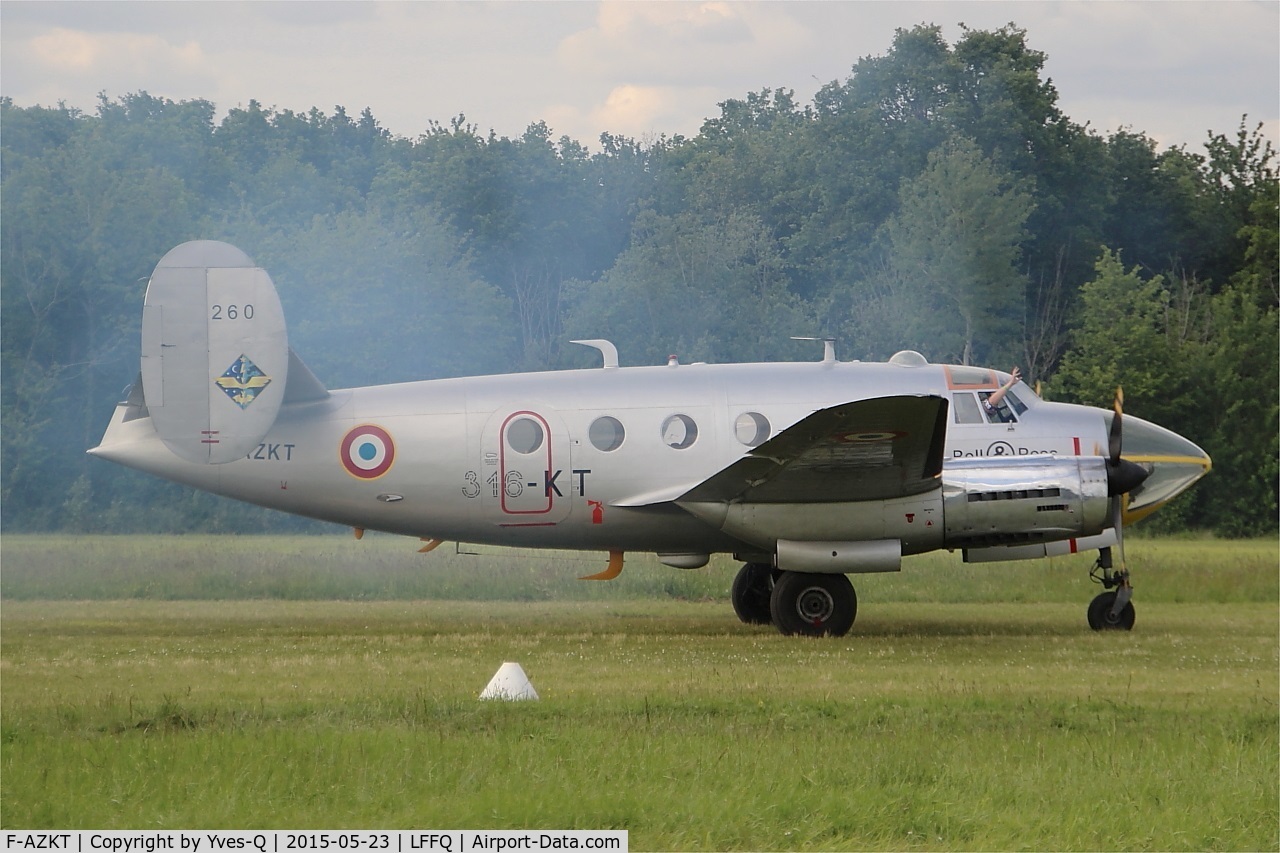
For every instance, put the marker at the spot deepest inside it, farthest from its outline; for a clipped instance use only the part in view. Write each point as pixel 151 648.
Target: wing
pixel 866 450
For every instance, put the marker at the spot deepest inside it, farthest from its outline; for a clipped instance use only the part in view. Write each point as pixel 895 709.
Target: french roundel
pixel 367 452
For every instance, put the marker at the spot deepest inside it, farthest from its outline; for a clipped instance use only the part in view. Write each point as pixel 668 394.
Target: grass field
pixel 318 682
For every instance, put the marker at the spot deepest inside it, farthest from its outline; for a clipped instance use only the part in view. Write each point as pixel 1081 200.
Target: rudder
pixel 215 352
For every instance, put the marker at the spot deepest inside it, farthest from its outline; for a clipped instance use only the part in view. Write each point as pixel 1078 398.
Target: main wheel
pixel 1100 618
pixel 813 605
pixel 752 588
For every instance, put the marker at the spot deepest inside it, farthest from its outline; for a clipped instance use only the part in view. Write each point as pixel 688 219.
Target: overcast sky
pixel 1175 70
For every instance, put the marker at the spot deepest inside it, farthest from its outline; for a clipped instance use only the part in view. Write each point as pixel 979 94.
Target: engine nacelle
pixel 983 504
pixel 987 502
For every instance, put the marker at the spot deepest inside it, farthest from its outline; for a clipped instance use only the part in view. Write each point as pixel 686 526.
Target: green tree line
pixel 937 199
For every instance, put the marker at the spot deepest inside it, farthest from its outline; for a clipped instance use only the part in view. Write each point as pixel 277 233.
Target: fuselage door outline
pixel 525 467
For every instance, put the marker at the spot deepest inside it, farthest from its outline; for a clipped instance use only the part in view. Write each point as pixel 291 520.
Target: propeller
pixel 1123 476
pixel 1113 610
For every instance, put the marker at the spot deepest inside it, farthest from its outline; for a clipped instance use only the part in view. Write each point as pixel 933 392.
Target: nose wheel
pixel 1111 610
pixel 1103 615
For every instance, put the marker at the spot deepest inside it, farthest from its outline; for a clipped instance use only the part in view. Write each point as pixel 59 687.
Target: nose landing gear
pixel 1112 610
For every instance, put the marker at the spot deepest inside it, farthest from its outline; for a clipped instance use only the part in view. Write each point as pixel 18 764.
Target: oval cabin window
pixel 679 431
pixel 751 428
pixel 524 435
pixel 606 433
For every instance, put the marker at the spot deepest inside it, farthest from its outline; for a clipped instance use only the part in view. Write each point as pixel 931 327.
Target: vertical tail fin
pixel 215 353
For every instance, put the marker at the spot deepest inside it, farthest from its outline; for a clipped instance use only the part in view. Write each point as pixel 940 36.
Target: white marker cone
pixel 509 683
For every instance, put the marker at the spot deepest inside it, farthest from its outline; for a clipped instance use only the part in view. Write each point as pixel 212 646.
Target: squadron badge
pixel 243 381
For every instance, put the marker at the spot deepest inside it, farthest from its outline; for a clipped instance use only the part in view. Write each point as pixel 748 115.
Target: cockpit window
pixel 960 376
pixel 1002 414
pixel 965 406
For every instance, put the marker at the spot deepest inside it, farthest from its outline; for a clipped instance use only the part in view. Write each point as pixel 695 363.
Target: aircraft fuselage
pixel 454 473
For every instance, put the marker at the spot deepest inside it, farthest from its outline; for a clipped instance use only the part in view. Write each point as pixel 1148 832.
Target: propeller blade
pixel 1117 524
pixel 1117 428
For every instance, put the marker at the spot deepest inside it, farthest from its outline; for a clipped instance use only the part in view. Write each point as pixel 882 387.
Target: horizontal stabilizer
pixel 303 387
pixel 215 353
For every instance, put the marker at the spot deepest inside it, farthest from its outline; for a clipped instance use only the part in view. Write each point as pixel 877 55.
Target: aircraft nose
pixel 1174 462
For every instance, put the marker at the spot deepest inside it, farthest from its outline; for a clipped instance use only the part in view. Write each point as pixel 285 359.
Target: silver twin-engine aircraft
pixel 805 472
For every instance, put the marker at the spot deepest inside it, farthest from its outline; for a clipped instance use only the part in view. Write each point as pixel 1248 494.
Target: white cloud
pixel 662 68
pixel 631 108
pixel 1174 70
pixel 58 62
pixel 673 43
pixel 66 50
pixel 650 111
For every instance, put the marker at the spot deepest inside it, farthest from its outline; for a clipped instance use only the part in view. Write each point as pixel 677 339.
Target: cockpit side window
pixel 1002 414
pixel 966 408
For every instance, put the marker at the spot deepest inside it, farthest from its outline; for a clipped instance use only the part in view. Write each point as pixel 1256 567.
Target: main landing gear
pixel 752 589
pixel 813 605
pixel 1112 610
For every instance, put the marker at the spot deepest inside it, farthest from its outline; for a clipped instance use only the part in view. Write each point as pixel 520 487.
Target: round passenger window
pixel 679 431
pixel 524 435
pixel 606 433
pixel 751 428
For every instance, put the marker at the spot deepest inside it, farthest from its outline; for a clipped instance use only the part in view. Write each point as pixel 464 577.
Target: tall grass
pixel 388 568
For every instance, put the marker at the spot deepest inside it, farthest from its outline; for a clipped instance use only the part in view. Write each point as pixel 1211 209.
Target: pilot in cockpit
pixel 991 402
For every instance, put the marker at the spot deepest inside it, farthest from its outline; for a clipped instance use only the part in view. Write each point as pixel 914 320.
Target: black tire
pixel 1100 618
pixel 752 588
pixel 813 605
